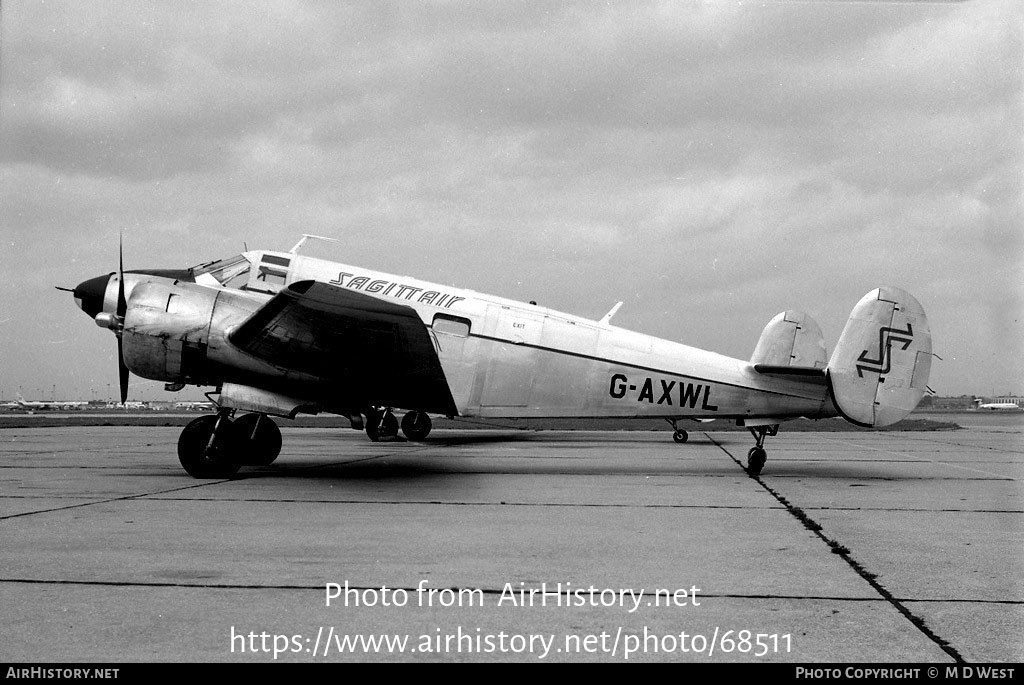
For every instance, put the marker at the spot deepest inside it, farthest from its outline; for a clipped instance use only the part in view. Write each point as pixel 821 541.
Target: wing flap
pixel 368 352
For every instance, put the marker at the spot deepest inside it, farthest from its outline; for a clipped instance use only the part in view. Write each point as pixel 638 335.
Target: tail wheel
pixel 756 458
pixel 257 439
pixel 205 452
pixel 416 425
pixel 678 434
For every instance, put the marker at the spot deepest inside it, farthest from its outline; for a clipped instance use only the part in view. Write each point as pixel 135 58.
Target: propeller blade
pixel 122 371
pixel 122 308
pixel 122 304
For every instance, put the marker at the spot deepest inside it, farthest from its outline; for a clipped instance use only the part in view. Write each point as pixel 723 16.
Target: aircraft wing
pixel 366 351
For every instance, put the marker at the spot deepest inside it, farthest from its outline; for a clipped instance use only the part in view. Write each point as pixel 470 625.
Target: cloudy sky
pixel 711 163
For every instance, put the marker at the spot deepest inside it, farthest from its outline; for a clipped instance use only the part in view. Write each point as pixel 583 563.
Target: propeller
pixel 122 307
pixel 91 298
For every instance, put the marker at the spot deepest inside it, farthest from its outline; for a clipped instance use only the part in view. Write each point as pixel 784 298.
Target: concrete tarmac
pixel 850 547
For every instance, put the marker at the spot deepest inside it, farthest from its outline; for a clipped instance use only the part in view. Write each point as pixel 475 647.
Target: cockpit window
pixel 229 273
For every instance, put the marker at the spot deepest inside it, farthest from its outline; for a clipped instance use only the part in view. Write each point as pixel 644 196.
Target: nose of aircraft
pixel 89 294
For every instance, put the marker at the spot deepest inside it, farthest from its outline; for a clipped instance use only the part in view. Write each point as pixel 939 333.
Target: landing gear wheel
pixel 257 439
pixel 373 418
pixel 381 424
pixel 388 425
pixel 416 425
pixel 680 436
pixel 756 458
pixel 204 454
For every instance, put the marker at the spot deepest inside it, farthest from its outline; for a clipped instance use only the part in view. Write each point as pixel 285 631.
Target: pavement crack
pixel 123 498
pixel 858 568
pixel 483 590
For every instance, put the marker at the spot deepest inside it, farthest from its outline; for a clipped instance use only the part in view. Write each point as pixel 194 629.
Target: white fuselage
pixel 504 358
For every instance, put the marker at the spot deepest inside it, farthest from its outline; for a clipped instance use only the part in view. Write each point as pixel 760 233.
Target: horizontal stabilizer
pixel 797 373
pixel 789 370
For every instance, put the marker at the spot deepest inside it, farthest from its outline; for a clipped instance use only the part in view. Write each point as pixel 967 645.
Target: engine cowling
pixel 167 330
pixel 177 332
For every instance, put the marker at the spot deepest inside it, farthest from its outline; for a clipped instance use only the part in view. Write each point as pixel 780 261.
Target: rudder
pixel 879 370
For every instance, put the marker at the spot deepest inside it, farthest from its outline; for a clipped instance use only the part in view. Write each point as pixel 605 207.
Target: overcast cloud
pixel 710 163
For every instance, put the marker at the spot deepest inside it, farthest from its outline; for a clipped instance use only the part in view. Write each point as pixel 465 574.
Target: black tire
pixel 680 436
pixel 756 458
pixel 373 425
pixel 256 439
pixel 200 457
pixel 388 426
pixel 416 425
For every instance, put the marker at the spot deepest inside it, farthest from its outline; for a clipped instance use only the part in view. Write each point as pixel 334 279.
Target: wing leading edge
pixel 366 351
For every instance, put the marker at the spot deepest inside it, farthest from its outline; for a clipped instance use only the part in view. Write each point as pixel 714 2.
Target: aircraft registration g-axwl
pixel 278 333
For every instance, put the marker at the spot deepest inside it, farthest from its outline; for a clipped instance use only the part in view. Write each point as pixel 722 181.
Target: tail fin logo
pixel 886 337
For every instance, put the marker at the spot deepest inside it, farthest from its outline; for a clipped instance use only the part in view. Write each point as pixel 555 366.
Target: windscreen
pixel 229 273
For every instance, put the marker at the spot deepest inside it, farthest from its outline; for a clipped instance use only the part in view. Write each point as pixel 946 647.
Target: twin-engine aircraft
pixel 278 334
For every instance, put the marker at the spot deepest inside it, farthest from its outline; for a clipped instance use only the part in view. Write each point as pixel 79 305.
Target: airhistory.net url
pixel 328 641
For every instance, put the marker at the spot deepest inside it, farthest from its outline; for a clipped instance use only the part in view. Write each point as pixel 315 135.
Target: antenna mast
pixel 307 236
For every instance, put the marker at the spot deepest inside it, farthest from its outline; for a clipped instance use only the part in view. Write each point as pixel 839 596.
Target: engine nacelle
pixel 176 332
pixel 167 330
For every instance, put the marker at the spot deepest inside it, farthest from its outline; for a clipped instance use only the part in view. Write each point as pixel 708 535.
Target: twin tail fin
pixel 879 370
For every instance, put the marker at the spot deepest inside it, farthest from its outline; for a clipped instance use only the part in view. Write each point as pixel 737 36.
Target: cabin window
pixel 273 271
pixel 279 261
pixel 452 325
pixel 236 280
pixel 271 275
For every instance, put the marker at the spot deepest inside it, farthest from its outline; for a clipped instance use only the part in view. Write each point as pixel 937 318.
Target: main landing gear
pixel 216 447
pixel 381 424
pixel 756 457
